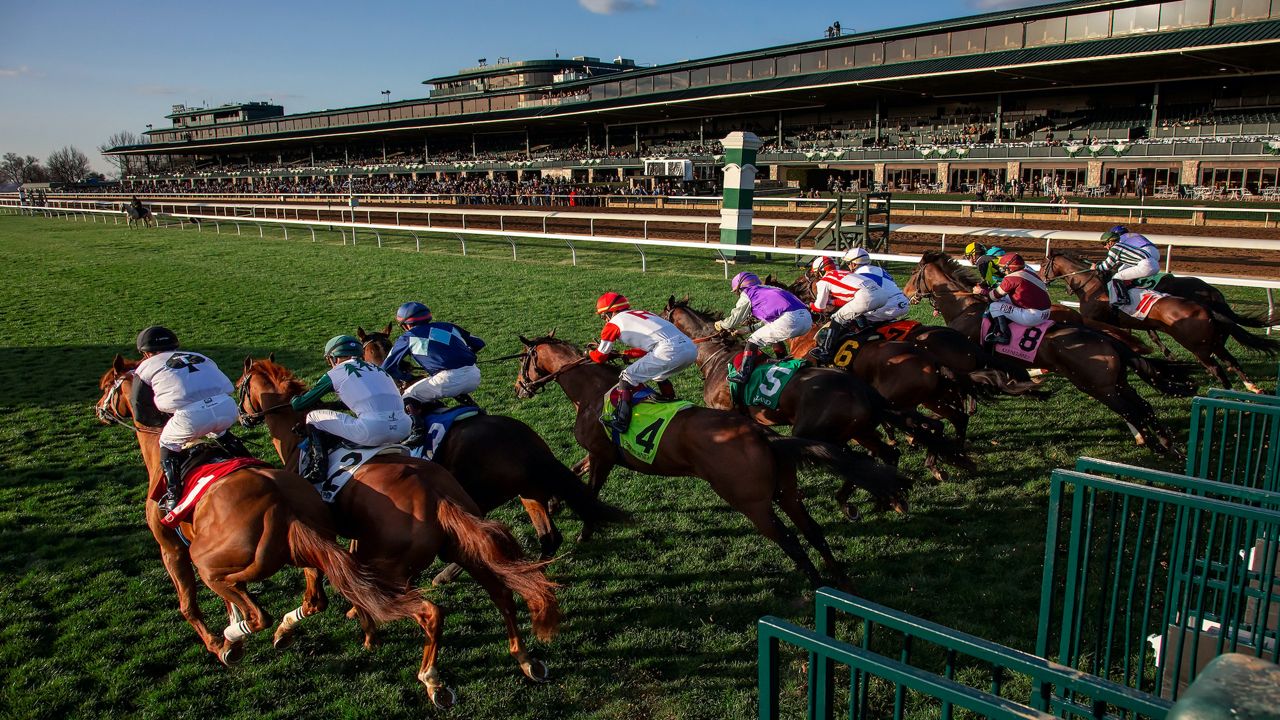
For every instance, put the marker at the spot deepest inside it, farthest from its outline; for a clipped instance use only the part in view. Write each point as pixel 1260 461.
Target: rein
pixel 535 386
pixel 252 418
pixel 107 413
pixel 1067 275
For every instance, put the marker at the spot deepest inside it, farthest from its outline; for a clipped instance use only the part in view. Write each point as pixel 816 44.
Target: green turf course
pixel 659 615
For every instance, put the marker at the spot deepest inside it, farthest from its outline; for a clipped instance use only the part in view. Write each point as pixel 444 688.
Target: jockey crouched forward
pixel 445 351
pixel 1130 257
pixel 187 394
pixel 367 390
pixel 873 297
pixel 784 315
pixel 1021 297
pixel 659 347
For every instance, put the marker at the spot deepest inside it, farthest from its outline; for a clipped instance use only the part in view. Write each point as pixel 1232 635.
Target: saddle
pixel 437 423
pixel 213 450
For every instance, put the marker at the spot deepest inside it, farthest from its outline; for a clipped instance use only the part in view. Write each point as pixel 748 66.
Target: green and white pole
pixel 740 150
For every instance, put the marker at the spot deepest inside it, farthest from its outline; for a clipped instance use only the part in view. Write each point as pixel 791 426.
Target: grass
pixel 659 614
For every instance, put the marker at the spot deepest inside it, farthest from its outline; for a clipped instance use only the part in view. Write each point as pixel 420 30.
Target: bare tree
pixel 15 168
pixel 124 164
pixel 68 165
pixel 33 171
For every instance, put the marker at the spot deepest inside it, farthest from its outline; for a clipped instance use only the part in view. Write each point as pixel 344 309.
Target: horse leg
pixel 431 618
pixel 177 562
pixel 598 470
pixel 534 669
pixel 1155 338
pixel 313 601
pixel 792 504
pixel 1204 356
pixel 254 617
pixel 769 525
pixel 870 439
pixel 1146 416
pixel 549 537
pixel 1234 365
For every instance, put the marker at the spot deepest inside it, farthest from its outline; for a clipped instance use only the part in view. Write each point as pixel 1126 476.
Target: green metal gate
pixel 1235 439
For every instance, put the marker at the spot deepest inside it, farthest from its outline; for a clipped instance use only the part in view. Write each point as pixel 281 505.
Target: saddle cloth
pixel 1024 340
pixel 198 480
pixel 438 425
pixel 768 380
pixel 650 417
pixel 1140 302
pixel 345 460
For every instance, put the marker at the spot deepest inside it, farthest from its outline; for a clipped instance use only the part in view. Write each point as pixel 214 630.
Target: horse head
pixel 263 386
pixel 542 361
pixel 377 344
pixel 116 385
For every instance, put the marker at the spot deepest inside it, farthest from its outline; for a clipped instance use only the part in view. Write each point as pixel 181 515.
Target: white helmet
pixel 856 256
pixel 822 264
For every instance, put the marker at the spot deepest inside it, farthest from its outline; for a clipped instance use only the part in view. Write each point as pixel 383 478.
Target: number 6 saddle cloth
pixel 1024 340
pixel 650 417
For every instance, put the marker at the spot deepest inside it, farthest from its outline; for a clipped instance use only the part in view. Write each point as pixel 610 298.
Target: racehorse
pixel 526 468
pixel 247 526
pixel 748 466
pixel 401 513
pixel 1088 359
pixel 142 216
pixel 819 403
pixel 1193 324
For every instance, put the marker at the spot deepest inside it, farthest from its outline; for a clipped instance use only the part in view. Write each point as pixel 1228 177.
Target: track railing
pixel 1235 439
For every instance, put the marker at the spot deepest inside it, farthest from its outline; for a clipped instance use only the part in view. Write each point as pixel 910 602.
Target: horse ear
pixel 360 333
pixel 671 302
pixel 118 364
pixel 271 357
pixel 768 279
pixel 387 330
pixel 552 333
pixel 525 341
pixel 248 362
pixel 686 300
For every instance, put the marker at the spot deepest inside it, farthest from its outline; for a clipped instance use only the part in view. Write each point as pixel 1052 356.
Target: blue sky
pixel 74 72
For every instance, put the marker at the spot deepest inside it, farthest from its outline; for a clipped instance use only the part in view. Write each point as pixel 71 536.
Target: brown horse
pixel 1090 360
pixel 819 403
pixel 247 526
pixel 1202 331
pixel 402 512
pixel 750 467
pixel 526 468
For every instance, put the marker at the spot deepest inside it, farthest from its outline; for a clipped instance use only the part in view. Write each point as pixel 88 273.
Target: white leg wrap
pixel 292 618
pixel 237 632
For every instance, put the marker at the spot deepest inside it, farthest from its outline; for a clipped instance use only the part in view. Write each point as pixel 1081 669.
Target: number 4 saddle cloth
pixel 1024 340
pixel 650 417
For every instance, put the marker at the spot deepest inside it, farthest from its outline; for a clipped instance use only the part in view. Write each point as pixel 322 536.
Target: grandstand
pixel 1084 96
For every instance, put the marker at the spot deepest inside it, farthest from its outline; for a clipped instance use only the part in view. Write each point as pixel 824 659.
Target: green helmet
pixel 343 346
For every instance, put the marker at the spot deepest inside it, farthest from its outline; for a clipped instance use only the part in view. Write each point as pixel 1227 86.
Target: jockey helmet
pixel 856 256
pixel 612 302
pixel 994 251
pixel 413 313
pixel 1114 233
pixel 1011 262
pixel 157 339
pixel 343 346
pixel 975 248
pixel 744 280
pixel 822 264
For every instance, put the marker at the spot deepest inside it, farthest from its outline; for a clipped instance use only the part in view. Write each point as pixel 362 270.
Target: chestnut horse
pixel 748 466
pixel 402 512
pixel 1088 359
pixel 526 468
pixel 819 403
pixel 247 526
pixel 1196 327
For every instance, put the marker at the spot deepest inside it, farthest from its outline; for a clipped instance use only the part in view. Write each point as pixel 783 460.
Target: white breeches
pixel 445 384
pixel 786 326
pixel 370 430
pixel 872 308
pixel 665 359
pixel 209 416
pixel 1146 268
pixel 1020 315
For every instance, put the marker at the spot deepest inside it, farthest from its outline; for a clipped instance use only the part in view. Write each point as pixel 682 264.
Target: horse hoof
pixel 535 670
pixel 442 696
pixel 232 654
pixel 852 512
pixel 444 578
pixel 283 641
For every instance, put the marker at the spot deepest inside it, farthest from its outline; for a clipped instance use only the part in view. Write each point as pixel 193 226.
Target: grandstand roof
pixel 506 68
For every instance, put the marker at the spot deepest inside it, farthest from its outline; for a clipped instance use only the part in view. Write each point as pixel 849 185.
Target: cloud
pixel 15 72
pixel 159 90
pixel 612 7
pixel 992 5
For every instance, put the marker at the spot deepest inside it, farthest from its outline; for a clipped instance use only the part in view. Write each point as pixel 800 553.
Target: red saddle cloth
pixel 897 329
pixel 198 481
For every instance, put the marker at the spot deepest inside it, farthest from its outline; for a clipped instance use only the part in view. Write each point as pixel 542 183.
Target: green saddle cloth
pixel 1150 282
pixel 768 381
pixel 649 421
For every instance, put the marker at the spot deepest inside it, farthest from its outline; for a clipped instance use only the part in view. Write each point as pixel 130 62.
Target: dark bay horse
pixel 1194 325
pixel 824 404
pixel 247 526
pixel 526 468
pixel 1088 359
pixel 402 513
pixel 748 466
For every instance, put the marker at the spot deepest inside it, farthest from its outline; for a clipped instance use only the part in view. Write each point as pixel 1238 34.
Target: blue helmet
pixel 413 313
pixel 1115 233
pixel 994 251
pixel 744 280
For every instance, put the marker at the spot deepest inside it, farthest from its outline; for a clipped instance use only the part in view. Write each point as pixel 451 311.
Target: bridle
pixel 535 385
pixel 107 413
pixel 244 406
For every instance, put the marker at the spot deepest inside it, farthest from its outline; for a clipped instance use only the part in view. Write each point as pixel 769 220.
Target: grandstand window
pixel 679 80
pixel 661 83
pixel 644 84
pixel 1089 26
pixel 870 54
pixel 455 107
pixel 628 87
pixel 611 90
pixel 930 46
pixel 1046 32
pixel 789 65
pixel 719 74
pixel 899 50
pixel 1144 18
pixel 502 102
pixel 840 58
pixel 739 72
pixel 968 41
pixel 813 61
pixel 762 68
pixel 1184 13
pixel 1237 10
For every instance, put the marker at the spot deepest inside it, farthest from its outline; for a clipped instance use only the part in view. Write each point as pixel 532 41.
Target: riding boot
pixel 826 350
pixel 418 412
pixel 666 390
pixel 233 445
pixel 465 399
pixel 622 408
pixel 751 356
pixel 1001 334
pixel 171 462
pixel 1119 293
pixel 313 461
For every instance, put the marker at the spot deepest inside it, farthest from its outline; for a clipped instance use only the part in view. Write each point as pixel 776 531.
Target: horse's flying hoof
pixel 535 670
pixel 232 653
pixel 283 641
pixel 442 696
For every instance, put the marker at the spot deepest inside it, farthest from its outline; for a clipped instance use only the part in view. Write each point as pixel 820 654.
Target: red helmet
pixel 611 302
pixel 822 264
pixel 1012 262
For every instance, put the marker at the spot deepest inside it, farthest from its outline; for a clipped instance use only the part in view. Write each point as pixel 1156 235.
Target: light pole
pixel 386 96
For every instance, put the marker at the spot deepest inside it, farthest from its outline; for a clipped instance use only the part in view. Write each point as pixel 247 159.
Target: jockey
pixel 985 261
pixel 367 390
pixel 1130 257
pixel 833 288
pixel 187 394
pixel 876 299
pixel 1021 297
pixel 660 350
pixel 784 316
pixel 445 351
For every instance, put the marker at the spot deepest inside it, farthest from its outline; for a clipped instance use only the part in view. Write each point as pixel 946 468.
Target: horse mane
pixel 711 314
pixel 951 266
pixel 279 376
pixel 1073 257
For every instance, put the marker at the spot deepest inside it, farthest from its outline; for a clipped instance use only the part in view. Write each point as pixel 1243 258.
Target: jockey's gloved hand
pixel 634 353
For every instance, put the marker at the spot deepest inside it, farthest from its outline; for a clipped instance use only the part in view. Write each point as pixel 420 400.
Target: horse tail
pixel 591 510
pixel 490 545
pixel 1170 378
pixel 886 485
pixel 383 604
pixel 1005 384
pixel 929 433
pixel 1268 346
